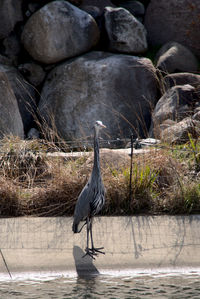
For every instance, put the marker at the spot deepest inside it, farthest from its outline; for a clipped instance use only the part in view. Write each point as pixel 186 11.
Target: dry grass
pixel 9 198
pixel 33 184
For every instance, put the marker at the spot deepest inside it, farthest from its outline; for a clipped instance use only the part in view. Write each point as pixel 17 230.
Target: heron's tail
pixel 75 228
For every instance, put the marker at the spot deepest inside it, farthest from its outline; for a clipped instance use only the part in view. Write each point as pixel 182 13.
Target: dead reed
pixel 32 183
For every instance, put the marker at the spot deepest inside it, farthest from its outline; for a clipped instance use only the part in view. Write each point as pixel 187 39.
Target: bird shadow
pixel 84 266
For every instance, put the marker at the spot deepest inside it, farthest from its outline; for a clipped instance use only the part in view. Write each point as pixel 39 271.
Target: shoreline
pixel 47 245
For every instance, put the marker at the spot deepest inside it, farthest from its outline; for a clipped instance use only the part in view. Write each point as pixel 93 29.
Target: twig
pixel 5 264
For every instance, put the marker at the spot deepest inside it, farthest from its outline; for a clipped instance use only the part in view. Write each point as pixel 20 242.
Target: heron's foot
pixel 89 252
pixel 97 250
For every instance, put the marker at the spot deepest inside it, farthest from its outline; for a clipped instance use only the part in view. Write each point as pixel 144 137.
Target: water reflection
pixel 86 274
pixel 142 285
pixel 84 266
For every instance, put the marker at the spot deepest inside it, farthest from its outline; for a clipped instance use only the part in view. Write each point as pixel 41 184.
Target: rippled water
pixel 182 284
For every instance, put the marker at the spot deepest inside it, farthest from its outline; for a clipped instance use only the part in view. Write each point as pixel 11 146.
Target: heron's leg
pixel 93 249
pixel 88 231
pixel 87 249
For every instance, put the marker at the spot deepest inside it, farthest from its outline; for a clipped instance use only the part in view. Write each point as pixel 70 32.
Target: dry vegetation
pixel 163 180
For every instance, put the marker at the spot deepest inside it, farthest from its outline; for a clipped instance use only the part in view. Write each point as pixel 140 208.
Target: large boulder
pixel 125 33
pixel 179 132
pixel 10 118
pixel 174 57
pixel 175 104
pixel 174 20
pixel 10 14
pixel 24 93
pixel 58 31
pixel 117 89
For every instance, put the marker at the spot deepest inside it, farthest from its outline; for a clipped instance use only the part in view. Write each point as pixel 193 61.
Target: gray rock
pixel 76 2
pixel 175 104
pixel 33 134
pixel 182 79
pixel 32 72
pixel 166 124
pixel 117 89
pixel 125 33
pixel 94 11
pixel 5 60
pixel 32 7
pixel 100 4
pixel 58 31
pixel 10 14
pixel 147 142
pixel 24 94
pixel 196 116
pixel 178 133
pixel 12 48
pixel 10 118
pixel 174 57
pixel 174 20
pixel 197 109
pixel 136 8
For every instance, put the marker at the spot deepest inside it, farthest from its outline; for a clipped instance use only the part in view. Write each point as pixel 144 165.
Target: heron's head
pixel 99 125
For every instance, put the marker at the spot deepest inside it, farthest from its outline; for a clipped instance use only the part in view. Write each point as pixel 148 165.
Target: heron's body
pixel 92 197
pixel 90 202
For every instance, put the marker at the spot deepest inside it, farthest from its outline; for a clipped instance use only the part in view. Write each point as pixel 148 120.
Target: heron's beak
pixel 103 126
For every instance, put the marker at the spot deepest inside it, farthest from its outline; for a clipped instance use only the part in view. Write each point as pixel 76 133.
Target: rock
pixel 178 133
pixel 76 2
pixel 196 116
pixel 167 123
pixel 182 79
pixel 97 14
pixel 142 143
pixel 175 104
pixel 94 11
pixel 174 20
pixel 197 109
pixel 136 8
pixel 10 118
pixel 33 73
pixel 58 31
pixel 117 89
pixel 96 3
pixel 145 2
pixel 33 134
pixel 173 57
pixel 125 33
pixel 10 14
pixel 24 94
pixel 12 48
pixel 5 60
pixel 31 8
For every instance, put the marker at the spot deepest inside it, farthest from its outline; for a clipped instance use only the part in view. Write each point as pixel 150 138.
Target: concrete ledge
pixel 48 244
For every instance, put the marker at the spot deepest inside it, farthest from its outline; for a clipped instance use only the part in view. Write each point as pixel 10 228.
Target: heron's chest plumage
pixel 97 198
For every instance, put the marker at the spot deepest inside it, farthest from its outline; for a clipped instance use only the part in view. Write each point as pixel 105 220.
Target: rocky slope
pixel 68 63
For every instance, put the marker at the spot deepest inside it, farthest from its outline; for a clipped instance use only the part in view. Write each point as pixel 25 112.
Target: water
pixel 111 285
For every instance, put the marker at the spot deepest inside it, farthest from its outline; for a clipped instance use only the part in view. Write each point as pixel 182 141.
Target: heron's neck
pixel 96 167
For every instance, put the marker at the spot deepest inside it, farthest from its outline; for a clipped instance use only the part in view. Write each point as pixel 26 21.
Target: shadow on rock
pixel 84 266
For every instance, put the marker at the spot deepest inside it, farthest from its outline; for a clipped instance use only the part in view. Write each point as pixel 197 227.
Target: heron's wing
pixel 90 201
pixel 82 208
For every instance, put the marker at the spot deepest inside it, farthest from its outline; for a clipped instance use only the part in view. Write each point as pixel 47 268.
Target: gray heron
pixel 91 198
